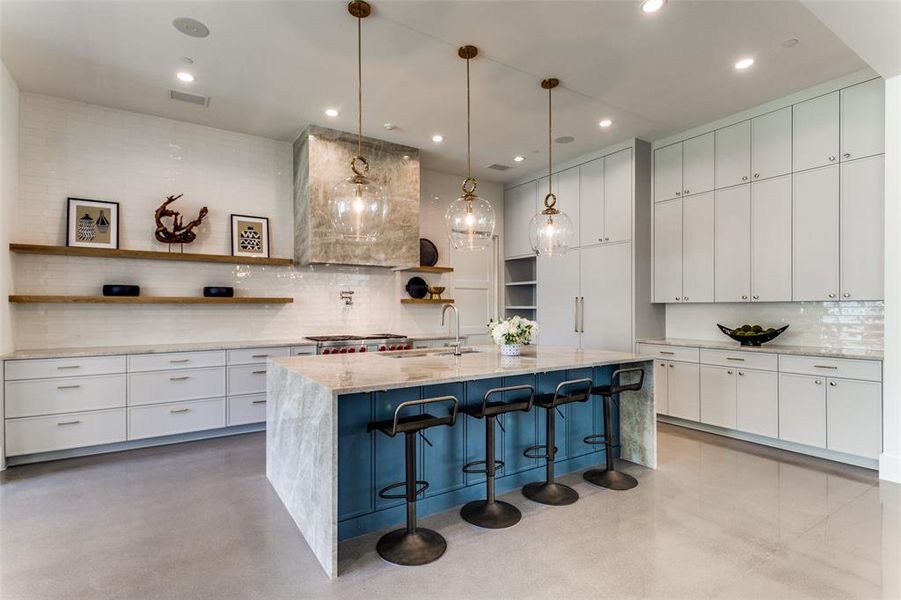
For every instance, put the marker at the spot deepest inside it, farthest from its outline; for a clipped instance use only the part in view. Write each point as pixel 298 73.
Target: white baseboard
pixel 890 467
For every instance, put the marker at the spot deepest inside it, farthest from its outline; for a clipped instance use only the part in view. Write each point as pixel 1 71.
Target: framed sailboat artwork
pixel 92 223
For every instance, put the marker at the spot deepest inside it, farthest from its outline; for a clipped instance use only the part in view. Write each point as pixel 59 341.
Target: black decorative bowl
pixel 218 292
pixel 753 339
pixel 428 253
pixel 417 287
pixel 121 289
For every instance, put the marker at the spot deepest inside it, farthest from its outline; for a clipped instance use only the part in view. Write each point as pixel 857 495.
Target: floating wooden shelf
pixel 511 283
pixel 24 299
pixel 424 269
pixel 425 301
pixel 522 307
pixel 147 255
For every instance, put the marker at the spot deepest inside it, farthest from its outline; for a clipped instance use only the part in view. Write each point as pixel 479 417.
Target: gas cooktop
pixel 347 338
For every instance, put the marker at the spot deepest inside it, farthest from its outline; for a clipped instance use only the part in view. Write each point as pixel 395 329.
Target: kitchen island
pixel 327 469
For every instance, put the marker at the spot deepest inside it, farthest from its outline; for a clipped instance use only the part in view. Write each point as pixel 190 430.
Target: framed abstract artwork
pixel 92 223
pixel 250 236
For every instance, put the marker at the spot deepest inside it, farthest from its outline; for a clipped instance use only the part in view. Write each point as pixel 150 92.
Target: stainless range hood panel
pixel 321 159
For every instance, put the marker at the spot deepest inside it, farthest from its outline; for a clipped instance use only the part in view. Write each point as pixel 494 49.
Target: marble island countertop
pixel 345 374
pixel 773 348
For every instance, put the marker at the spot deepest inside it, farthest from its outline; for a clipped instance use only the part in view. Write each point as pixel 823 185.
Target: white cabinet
pixel 718 396
pixel 61 432
pixel 566 189
pixel 606 300
pixel 815 132
pixel 170 419
pixel 802 409
pixel 698 164
pixel 591 202
pixel 558 298
pixel 617 196
pixel 35 397
pixel 246 409
pixel 668 172
pixel 249 356
pixel 863 120
pixel 862 233
pixel 757 402
pixel 771 240
pixel 854 417
pixel 733 244
pixel 520 205
pixel 169 386
pixel 661 387
pixel 668 251
pixel 771 144
pixel 683 395
pixel 815 235
pixel 733 154
pixel 698 247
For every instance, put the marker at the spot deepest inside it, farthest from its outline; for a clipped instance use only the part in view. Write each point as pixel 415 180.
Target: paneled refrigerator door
pixel 558 299
pixel 606 275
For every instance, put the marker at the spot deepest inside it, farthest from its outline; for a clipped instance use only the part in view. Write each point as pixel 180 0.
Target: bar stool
pixel 491 513
pixel 610 477
pixel 549 491
pixel 412 545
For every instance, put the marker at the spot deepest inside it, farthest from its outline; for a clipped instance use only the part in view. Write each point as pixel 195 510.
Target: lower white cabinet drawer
pixel 36 397
pixel 171 386
pixel 738 359
pixel 870 370
pixel 681 353
pixel 60 432
pixel 246 409
pixel 303 350
pixel 249 356
pixel 247 379
pixel 176 360
pixel 64 367
pixel 178 417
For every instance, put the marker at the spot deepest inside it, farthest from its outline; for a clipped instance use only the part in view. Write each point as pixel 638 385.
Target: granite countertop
pixel 825 351
pixel 345 374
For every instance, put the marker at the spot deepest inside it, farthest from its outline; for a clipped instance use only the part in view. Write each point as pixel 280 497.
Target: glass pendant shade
pixel 470 222
pixel 359 209
pixel 551 233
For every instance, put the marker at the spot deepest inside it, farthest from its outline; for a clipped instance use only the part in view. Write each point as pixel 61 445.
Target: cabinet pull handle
pixel 668 353
pixel 825 367
pixel 744 297
pixel 728 372
pixel 259 356
pixel 182 378
pixel 735 358
pixel 678 298
pixel 662 364
pixel 755 297
pixel 832 383
pixel 832 295
pixel 179 410
pixel 846 295
pixel 741 374
pixel 600 239
pixel 259 402
pixel 263 372
pixel 176 361
pixel 61 423
pixel 817 381
pixel 831 158
pixel 671 365
pixel 685 298
pixel 744 177
pixel 756 175
pixel 67 387
pixel 69 367
pixel 687 192
pixel 576 315
pixel 847 155
pixel 678 193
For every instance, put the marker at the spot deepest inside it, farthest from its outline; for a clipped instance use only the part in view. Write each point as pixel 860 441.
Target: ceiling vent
pixel 190 98
pixel 497 167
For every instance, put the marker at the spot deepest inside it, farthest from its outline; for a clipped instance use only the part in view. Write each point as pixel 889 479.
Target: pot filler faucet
pixel 456 344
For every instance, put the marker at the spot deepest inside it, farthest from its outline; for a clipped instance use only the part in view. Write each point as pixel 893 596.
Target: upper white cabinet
pixel 863 128
pixel 815 235
pixel 668 251
pixel 815 126
pixel 771 240
pixel 698 247
pixel 771 144
pixel 591 201
pixel 698 164
pixel 566 189
pixel 617 197
pixel 733 244
pixel 668 172
pixel 733 154
pixel 520 205
pixel 862 217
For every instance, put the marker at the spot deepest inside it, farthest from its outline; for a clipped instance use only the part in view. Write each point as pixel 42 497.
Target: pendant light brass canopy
pixel 551 230
pixel 470 219
pixel 358 205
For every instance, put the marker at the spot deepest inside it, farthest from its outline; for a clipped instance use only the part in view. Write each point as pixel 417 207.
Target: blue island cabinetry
pixel 367 462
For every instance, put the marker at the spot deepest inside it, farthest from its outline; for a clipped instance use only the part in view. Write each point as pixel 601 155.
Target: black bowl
pixel 218 292
pixel 753 340
pixel 428 253
pixel 417 287
pixel 121 289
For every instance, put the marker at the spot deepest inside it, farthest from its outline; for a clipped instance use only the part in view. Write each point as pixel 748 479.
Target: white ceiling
pixel 270 67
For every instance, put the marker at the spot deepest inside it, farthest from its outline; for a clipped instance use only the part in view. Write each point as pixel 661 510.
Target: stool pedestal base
pixel 419 547
pixel 608 478
pixel 491 515
pixel 552 493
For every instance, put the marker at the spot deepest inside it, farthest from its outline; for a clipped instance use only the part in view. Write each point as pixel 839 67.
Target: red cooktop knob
pixel 326 351
pixel 363 349
pixel 352 350
pixel 407 347
pixel 382 348
pixel 343 351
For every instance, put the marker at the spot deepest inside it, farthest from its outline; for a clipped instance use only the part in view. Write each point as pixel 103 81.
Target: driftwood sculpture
pixel 179 232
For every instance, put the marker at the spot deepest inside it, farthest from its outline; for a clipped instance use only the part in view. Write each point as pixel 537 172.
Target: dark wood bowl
pixel 753 340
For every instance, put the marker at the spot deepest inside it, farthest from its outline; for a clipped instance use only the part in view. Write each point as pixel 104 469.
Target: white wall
pixel 9 182
pixel 75 149
pixel 890 461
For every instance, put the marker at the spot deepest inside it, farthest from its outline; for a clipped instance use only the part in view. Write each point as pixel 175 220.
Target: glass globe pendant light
pixel 551 230
pixel 358 205
pixel 470 219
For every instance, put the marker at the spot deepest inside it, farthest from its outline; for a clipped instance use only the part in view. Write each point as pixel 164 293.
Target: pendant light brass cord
pixel 550 145
pixel 359 85
pixel 468 135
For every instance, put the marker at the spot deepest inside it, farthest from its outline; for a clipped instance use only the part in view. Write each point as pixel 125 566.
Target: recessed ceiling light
pixel 390 126
pixel 650 6
pixel 187 60
pixel 744 63
pixel 605 123
pixel 191 27
pixel 565 139
pixel 185 76
pixel 331 112
pixel 518 158
pixel 790 43
pixel 437 138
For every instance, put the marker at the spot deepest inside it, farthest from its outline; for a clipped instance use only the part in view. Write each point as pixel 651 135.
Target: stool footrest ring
pixel 596 439
pixel 422 486
pixel 531 451
pixel 468 467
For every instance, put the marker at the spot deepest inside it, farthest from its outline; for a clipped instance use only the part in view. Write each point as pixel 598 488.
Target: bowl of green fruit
pixel 752 335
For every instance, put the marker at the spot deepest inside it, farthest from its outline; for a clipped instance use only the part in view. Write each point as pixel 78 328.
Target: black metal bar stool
pixel 412 545
pixel 610 477
pixel 490 512
pixel 549 491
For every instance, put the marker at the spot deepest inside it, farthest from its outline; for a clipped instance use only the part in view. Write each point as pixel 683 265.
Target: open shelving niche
pixel 422 269
pixel 520 293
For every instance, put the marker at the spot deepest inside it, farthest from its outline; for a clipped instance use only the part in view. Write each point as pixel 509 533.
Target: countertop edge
pixel 849 353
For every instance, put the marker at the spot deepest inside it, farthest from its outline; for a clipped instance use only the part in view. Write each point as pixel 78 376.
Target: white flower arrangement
pixel 514 330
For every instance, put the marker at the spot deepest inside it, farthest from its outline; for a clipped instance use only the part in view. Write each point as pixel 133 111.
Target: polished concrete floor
pixel 718 519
